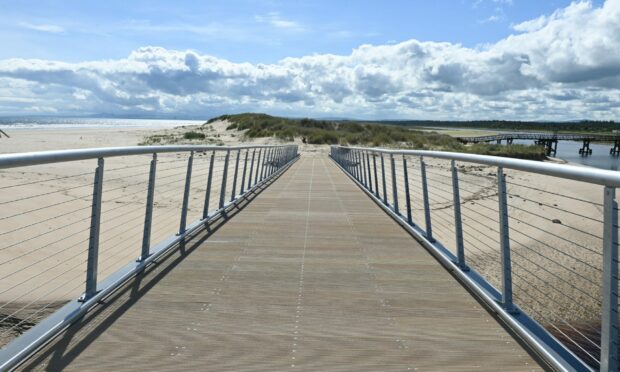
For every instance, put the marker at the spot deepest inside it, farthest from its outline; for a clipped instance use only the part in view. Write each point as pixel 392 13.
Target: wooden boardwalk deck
pixel 310 275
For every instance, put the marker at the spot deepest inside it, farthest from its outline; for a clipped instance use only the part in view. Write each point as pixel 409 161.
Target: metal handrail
pixel 356 162
pixel 46 157
pixel 272 161
pixel 577 173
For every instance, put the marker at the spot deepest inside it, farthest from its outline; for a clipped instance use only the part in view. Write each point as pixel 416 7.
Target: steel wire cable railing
pixel 537 242
pixel 61 232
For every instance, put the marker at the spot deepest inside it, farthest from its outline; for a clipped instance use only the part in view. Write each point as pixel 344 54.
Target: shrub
pixel 191 135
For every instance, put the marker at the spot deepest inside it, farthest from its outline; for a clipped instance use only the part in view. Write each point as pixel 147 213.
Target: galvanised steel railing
pixel 60 230
pixel 536 242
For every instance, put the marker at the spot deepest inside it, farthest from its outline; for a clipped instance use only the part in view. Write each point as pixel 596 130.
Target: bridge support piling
pixel 188 182
pixel 93 240
pixel 615 151
pixel 609 308
pixel 427 208
pixel 585 150
pixel 505 243
pixel 148 215
pixel 509 141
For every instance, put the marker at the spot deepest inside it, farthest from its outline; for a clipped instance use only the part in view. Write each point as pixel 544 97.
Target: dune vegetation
pixel 363 134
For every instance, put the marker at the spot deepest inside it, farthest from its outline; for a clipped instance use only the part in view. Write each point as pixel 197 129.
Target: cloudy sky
pixel 441 59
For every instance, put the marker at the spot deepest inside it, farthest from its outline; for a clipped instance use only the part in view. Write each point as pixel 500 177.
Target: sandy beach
pixel 555 224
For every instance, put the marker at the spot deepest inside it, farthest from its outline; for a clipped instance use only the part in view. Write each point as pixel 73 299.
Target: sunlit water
pixel 25 123
pixel 569 151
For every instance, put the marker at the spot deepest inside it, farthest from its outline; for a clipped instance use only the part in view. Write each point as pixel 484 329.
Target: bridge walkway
pixel 309 275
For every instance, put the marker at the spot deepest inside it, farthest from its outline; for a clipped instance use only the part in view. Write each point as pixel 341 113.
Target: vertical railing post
pixel 368 166
pixel 260 151
pixel 394 184
pixel 427 206
pixel 251 169
pixel 264 164
pixel 374 166
pixel 224 177
pixel 92 262
pixel 504 242
pixel 609 308
pixel 272 162
pixel 205 209
pixel 148 214
pixel 353 162
pixel 234 188
pixel 407 195
pixel 188 183
pixel 358 166
pixel 383 181
pixel 363 163
pixel 458 225
pixel 245 168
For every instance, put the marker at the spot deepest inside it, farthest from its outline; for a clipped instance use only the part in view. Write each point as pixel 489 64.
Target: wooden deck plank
pixel 311 275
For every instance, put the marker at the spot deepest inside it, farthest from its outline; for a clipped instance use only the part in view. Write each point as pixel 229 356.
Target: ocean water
pixel 569 151
pixel 9 124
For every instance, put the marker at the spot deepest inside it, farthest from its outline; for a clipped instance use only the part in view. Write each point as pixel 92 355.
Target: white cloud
pixel 564 67
pixel 42 27
pixel 493 18
pixel 275 20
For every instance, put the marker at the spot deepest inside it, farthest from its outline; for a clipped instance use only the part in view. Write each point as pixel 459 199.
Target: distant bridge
pixel 550 140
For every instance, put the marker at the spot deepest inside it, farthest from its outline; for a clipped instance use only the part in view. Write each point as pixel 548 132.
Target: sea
pixel 9 124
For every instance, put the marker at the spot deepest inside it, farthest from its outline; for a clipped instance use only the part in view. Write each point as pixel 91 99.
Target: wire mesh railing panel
pixel 545 237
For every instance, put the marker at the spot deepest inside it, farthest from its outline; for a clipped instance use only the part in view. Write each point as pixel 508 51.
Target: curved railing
pixel 61 229
pixel 536 242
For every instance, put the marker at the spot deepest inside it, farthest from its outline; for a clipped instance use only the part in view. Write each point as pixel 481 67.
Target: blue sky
pixel 399 59
pixel 250 30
